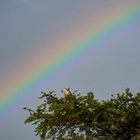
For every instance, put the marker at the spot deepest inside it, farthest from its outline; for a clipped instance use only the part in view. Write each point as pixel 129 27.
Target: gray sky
pixel 24 23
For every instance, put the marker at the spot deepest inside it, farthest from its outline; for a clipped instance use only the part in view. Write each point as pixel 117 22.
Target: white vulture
pixel 66 92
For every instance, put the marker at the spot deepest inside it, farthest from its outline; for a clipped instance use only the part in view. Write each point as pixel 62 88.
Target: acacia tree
pixel 77 117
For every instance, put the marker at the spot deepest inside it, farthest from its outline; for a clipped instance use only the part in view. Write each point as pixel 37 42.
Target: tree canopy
pixel 79 117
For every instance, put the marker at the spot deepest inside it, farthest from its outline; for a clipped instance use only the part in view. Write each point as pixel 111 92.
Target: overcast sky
pixel 24 23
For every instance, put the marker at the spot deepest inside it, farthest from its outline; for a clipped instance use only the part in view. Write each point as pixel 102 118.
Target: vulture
pixel 66 92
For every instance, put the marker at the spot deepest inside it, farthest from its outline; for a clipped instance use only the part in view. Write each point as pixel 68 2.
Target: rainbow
pixel 48 63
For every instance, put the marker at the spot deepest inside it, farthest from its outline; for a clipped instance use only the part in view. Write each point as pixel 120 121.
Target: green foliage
pixel 77 117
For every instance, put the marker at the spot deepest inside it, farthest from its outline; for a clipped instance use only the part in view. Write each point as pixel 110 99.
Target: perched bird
pixel 66 92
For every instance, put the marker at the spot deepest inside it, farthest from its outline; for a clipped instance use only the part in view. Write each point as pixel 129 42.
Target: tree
pixel 77 117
